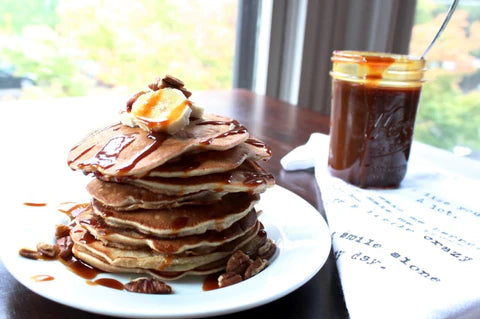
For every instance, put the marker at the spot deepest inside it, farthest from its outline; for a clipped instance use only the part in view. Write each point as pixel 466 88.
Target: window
pixel 53 48
pixel 449 111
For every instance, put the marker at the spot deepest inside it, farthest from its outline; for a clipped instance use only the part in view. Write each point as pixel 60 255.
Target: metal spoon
pixel 444 24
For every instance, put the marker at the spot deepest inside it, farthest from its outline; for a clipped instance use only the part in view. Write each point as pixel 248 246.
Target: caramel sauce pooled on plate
pixel 107 282
pixel 80 268
pixel 35 204
pixel 40 278
pixel 210 282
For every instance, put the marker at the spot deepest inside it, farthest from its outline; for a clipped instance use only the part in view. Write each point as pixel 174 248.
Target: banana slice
pixel 165 110
pixel 197 111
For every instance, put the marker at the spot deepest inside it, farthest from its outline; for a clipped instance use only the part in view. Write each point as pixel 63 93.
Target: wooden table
pixel 283 127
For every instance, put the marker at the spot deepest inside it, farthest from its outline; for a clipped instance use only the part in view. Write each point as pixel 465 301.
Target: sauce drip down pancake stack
pixel 170 204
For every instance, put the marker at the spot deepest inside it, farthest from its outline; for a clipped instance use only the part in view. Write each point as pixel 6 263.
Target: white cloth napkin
pixel 411 252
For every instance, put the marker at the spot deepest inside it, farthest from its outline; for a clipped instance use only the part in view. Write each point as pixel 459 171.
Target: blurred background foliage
pixel 91 47
pixel 449 111
pixel 88 47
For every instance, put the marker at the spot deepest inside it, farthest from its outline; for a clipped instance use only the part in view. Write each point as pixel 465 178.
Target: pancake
pixel 122 196
pixel 250 248
pixel 191 245
pixel 149 259
pixel 181 221
pixel 169 205
pixel 211 162
pixel 102 264
pixel 120 150
pixel 248 177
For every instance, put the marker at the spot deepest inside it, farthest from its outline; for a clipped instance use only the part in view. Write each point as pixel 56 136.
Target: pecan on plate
pixel 145 285
pixel 267 250
pixel 257 266
pixel 64 246
pixel 62 230
pixel 28 253
pixel 47 250
pixel 238 262
pixel 228 278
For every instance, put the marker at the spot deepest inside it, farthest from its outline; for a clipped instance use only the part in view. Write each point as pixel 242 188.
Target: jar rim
pixel 361 57
pixel 378 68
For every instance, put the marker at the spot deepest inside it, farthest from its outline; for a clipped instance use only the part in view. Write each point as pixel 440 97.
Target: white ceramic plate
pixel 297 228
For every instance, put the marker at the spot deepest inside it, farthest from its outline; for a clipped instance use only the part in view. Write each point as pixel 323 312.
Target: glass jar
pixel 374 103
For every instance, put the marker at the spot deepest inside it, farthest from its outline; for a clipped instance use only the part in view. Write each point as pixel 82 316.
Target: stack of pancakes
pixel 170 205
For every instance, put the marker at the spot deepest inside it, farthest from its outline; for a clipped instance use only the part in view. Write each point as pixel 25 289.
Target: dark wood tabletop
pixel 283 127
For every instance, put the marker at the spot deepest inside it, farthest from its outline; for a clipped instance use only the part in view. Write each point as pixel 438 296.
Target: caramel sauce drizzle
pixel 237 129
pixel 168 261
pixel 100 227
pixel 146 109
pixel 106 157
pixel 260 144
pixel 107 282
pixel 72 210
pixel 40 278
pixel 81 153
pixel 80 268
pixel 255 179
pixel 157 139
pixel 119 126
pixel 210 282
pixel 376 66
pixel 87 238
pixel 174 114
pixel 35 204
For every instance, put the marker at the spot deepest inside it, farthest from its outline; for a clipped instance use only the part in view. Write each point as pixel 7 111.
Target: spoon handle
pixel 444 24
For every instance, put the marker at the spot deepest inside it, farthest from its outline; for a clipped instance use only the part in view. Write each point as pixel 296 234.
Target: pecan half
pixel 28 253
pixel 238 262
pixel 173 81
pixel 257 266
pixel 148 286
pixel 251 249
pixel 169 82
pixel 185 92
pixel 48 250
pixel 62 230
pixel 156 84
pixel 64 247
pixel 228 278
pixel 267 250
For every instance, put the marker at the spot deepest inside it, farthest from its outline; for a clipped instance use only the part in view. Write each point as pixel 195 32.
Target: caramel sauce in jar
pixel 374 103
